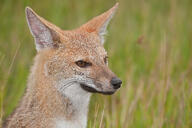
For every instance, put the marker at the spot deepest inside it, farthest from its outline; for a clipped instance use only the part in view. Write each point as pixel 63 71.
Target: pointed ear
pixel 99 24
pixel 44 34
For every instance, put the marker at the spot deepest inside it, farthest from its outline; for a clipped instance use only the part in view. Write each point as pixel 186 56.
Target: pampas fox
pixel 68 67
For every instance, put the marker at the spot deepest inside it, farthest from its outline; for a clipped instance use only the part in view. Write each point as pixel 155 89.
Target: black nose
pixel 116 82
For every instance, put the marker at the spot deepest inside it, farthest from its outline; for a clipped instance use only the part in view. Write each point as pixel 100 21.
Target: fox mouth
pixel 93 90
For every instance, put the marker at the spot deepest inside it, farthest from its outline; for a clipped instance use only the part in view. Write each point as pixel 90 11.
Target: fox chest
pixel 80 123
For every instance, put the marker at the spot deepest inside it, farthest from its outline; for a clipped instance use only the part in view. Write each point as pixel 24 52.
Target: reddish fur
pixel 42 102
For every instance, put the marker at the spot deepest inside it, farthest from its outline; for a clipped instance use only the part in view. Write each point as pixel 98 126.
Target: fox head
pixel 75 56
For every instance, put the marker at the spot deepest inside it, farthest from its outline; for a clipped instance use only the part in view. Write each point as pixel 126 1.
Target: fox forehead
pixel 82 46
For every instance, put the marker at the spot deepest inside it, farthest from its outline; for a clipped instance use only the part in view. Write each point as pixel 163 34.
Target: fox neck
pixel 78 102
pixel 67 108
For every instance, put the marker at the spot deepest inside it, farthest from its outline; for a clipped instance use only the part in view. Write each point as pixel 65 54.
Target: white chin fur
pixel 80 102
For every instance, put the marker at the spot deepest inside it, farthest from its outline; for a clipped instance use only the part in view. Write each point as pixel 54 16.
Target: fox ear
pixel 99 24
pixel 43 34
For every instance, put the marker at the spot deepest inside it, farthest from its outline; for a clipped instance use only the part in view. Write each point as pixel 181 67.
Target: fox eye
pixel 106 60
pixel 83 64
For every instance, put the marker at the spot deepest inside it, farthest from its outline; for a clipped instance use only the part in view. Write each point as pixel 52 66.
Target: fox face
pixel 75 56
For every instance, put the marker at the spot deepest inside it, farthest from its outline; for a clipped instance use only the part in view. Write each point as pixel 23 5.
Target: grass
pixel 149 43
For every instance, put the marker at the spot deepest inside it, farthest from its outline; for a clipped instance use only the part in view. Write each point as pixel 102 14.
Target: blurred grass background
pixel 150 47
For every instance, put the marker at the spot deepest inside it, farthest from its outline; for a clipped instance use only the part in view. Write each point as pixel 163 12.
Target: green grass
pixel 150 47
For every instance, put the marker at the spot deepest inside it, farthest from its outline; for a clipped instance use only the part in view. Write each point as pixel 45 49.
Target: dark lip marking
pixel 92 90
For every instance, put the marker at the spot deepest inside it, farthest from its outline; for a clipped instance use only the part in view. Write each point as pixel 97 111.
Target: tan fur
pixel 42 102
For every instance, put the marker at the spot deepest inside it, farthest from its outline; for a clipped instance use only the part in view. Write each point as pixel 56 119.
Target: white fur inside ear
pixel 40 32
pixel 102 37
pixel 103 28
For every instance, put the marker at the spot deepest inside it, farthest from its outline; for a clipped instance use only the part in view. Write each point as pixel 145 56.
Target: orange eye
pixel 83 64
pixel 106 60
